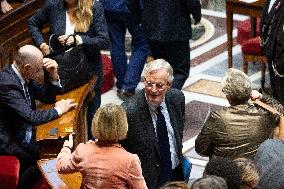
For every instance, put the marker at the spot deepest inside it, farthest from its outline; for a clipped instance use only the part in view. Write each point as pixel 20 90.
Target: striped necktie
pixel 27 95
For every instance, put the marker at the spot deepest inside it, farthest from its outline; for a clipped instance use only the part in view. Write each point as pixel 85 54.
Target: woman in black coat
pixel 85 19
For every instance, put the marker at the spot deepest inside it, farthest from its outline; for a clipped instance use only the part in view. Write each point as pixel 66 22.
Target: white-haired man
pixel 156 121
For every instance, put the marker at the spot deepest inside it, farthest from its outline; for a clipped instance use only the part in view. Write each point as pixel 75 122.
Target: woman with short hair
pixel 103 162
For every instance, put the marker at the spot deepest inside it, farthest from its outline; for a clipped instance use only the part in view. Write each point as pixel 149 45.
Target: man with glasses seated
pixel 156 121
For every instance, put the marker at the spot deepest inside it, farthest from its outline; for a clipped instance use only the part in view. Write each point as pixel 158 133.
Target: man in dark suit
pixel 18 114
pixel 167 26
pixel 156 121
pixel 272 36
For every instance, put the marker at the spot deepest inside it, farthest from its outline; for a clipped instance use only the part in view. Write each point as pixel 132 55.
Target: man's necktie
pixel 29 129
pixel 27 95
pixel 165 154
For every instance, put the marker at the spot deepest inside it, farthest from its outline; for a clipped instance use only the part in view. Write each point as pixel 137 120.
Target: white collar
pixel 18 75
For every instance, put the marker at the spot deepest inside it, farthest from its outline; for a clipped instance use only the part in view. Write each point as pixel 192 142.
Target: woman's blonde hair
pixel 83 15
pixel 110 123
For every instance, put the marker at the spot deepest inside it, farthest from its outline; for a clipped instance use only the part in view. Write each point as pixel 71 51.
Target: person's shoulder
pixel 174 91
pixel 97 5
pixel 175 95
pixel 53 2
pixel 6 77
pixel 124 154
pixel 135 101
pixel 271 142
pixel 83 148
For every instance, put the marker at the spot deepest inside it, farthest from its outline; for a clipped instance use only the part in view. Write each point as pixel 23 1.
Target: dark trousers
pixel 29 172
pixel 177 175
pixel 177 54
pixel 127 74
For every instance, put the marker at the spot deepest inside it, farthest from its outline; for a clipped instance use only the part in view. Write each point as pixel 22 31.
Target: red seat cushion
pixel 41 184
pixel 108 76
pixel 244 30
pixel 252 46
pixel 9 172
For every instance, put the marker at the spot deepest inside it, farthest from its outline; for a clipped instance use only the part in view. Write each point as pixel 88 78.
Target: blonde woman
pixel 85 19
pixel 104 163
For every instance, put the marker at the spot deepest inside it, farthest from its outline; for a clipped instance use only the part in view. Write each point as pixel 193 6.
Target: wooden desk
pixel 56 180
pixel 235 6
pixel 74 120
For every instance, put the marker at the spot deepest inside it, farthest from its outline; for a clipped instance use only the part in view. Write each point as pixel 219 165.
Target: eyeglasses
pixel 159 86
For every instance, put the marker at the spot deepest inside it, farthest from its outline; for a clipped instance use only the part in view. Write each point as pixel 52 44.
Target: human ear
pixel 27 67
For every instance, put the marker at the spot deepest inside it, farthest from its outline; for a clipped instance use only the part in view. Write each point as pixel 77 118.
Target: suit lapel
pixel 62 19
pixel 14 75
pixel 171 109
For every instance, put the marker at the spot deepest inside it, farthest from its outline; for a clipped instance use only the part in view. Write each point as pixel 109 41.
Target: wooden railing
pixel 14 29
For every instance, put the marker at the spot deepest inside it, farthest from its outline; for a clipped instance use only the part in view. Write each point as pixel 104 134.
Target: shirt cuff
pixel 79 40
pixel 59 111
pixel 56 83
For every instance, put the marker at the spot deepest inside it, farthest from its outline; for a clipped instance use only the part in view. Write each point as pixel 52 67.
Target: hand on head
pixel 65 105
pixel 5 6
pixel 51 67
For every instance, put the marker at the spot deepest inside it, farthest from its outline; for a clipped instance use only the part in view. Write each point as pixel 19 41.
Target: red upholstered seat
pixel 252 52
pixel 41 184
pixel 252 47
pixel 108 76
pixel 9 172
pixel 244 30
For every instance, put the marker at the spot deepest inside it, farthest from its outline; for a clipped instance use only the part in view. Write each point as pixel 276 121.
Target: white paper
pixel 249 1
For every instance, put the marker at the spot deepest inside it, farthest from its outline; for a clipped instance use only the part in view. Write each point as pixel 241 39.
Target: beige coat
pixel 102 166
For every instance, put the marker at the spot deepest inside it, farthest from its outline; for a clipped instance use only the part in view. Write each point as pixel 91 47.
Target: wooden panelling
pixel 14 29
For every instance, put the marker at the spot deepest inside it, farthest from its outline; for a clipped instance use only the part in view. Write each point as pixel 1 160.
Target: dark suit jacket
pixel 274 47
pixel 95 39
pixel 165 20
pixel 141 138
pixel 16 113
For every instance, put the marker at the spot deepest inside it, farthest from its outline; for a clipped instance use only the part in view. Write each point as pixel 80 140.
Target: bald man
pixel 18 114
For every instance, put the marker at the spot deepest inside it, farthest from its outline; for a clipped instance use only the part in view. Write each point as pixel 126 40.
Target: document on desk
pixel 249 1
pixel 56 180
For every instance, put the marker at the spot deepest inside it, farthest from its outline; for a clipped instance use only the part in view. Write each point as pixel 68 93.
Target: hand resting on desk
pixel 65 105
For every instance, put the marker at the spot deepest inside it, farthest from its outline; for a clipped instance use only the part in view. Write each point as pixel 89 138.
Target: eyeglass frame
pixel 148 83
